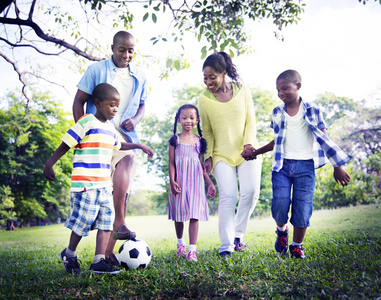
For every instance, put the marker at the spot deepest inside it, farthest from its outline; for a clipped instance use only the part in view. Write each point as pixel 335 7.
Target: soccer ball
pixel 134 254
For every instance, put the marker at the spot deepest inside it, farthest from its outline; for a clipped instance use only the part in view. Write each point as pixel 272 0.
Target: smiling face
pixel 212 79
pixel 288 91
pixel 107 109
pixel 188 119
pixel 123 51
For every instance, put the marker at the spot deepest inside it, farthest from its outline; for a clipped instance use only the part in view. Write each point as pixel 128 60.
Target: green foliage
pixel 343 248
pixel 29 135
pixel 335 108
pixel 222 23
pixel 141 203
pixel 6 205
pixel 360 190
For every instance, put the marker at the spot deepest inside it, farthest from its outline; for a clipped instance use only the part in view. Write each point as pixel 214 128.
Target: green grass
pixel 343 245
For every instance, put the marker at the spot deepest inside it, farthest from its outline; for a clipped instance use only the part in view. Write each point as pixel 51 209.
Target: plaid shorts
pixel 93 209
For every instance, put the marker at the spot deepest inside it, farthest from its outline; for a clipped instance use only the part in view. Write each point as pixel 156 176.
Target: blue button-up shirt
pixel 323 147
pixel 104 72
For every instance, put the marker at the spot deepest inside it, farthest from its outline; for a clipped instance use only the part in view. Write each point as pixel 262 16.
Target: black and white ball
pixel 134 254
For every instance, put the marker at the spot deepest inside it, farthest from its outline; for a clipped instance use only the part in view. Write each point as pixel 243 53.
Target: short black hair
pixel 290 76
pixel 122 35
pixel 104 91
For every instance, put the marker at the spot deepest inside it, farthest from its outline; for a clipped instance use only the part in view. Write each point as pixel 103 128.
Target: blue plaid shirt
pixel 323 147
pixel 105 71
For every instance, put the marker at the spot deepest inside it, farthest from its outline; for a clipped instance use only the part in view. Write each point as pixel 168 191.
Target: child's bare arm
pixel 48 170
pixel 129 146
pixel 172 171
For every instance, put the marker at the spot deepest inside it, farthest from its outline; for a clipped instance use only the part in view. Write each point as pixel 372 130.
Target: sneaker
pixel 281 243
pixel 70 263
pixel 103 267
pixel 181 250
pixel 239 245
pixel 225 253
pixel 297 252
pixel 192 256
pixel 113 260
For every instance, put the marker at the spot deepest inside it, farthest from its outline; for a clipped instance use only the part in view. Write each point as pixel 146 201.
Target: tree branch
pixel 20 77
pixel 37 29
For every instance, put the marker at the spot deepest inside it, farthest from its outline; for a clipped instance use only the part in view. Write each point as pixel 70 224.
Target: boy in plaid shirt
pixel 300 146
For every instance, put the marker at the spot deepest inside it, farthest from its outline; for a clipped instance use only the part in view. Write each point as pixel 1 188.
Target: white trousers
pixel 230 224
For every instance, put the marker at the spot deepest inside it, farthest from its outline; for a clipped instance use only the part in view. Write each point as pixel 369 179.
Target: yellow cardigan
pixel 228 126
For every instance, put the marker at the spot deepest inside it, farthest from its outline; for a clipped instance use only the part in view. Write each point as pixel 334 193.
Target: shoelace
pixel 282 240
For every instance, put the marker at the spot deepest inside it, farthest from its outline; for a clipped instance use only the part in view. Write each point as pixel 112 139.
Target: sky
pixel 335 46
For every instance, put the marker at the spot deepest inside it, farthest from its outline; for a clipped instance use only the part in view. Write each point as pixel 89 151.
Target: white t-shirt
pixel 299 140
pixel 124 83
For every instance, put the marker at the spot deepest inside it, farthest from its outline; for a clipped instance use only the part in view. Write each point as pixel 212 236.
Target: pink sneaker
pixel 192 256
pixel 181 250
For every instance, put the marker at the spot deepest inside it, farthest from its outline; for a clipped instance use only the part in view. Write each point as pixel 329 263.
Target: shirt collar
pixel 131 67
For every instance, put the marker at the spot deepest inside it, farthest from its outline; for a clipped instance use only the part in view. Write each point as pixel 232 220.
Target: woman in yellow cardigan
pixel 228 124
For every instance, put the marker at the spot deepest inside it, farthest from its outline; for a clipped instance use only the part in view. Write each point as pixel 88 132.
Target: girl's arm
pixel 211 188
pixel 172 171
pixel 61 151
pixel 130 146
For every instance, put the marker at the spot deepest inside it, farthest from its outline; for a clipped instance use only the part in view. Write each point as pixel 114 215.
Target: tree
pixel 51 28
pixel 28 136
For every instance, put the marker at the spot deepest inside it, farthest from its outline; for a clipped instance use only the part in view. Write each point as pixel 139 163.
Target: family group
pixel 104 139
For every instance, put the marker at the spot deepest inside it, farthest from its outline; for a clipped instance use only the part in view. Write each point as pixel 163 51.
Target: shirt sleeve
pixel 250 133
pixel 74 135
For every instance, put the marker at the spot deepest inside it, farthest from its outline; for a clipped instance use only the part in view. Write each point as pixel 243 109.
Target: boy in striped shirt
pixel 94 139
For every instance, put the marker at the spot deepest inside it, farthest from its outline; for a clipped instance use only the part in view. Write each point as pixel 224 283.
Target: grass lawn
pixel 343 248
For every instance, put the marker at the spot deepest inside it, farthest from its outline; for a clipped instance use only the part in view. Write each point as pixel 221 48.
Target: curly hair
pixel 220 62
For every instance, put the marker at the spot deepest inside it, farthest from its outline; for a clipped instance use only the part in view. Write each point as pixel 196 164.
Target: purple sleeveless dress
pixel 191 203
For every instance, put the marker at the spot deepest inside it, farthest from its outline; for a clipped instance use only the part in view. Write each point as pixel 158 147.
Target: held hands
pixel 248 152
pixel 129 124
pixel 341 176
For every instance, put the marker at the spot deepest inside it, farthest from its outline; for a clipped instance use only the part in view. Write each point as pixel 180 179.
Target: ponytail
pixel 173 139
pixel 220 62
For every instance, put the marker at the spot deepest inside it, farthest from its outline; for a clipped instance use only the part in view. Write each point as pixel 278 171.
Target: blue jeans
pixel 297 176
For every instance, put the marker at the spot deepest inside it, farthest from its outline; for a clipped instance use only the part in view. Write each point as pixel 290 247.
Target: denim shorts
pixel 297 176
pixel 93 209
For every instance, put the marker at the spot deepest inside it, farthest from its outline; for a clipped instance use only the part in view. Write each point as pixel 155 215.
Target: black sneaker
pixel 297 252
pixel 239 245
pixel 103 267
pixel 225 253
pixel 70 263
pixel 113 260
pixel 281 243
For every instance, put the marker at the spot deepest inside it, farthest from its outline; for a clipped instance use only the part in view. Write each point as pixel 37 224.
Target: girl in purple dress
pixel 187 198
